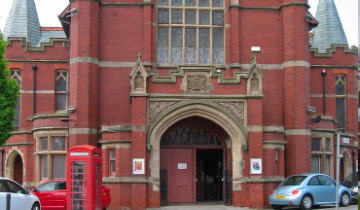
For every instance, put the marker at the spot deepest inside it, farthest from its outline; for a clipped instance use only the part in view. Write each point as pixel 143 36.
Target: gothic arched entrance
pixel 193 162
pixel 15 167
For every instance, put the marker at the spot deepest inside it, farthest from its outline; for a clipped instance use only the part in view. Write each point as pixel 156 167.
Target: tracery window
pixel 61 90
pixel 340 92
pixel 190 31
pixel 16 74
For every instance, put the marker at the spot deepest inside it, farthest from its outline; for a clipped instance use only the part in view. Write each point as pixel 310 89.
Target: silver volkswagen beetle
pixel 308 190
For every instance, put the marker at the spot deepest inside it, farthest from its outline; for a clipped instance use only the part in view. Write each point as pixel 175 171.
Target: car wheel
pixel 345 199
pixel 306 202
pixel 35 206
pixel 277 207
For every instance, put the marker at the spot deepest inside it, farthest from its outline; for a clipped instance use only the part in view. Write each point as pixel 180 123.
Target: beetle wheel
pixel 306 202
pixel 344 199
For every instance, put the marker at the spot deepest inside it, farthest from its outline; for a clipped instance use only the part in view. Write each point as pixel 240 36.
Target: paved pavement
pixel 222 207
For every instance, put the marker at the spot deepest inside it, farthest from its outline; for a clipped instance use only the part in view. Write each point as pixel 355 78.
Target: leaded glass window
pixel 190 32
pixel 60 90
pixel 340 91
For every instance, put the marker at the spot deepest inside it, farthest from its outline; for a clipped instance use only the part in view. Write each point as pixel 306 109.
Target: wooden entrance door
pixel 179 163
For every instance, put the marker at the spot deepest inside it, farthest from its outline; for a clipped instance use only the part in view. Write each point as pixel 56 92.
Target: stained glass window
pixel 190 31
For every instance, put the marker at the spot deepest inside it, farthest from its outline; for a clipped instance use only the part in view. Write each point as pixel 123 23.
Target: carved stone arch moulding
pixel 210 111
pixel 138 78
pixel 9 162
pixel 236 108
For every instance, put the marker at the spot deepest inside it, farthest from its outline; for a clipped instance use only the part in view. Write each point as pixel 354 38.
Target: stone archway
pixel 15 166
pixel 345 164
pixel 235 131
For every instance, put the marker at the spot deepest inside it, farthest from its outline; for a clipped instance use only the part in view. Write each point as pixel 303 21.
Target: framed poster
pixel 138 166
pixel 255 166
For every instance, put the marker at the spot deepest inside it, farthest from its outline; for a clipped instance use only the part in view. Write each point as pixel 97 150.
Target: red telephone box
pixel 83 177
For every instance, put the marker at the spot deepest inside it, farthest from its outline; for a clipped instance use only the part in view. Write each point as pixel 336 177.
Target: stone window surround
pixel 196 26
pixel 323 154
pixel 63 74
pixel 50 153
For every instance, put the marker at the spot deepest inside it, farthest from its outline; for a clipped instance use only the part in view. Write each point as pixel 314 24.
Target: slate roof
pixel 23 21
pixel 330 30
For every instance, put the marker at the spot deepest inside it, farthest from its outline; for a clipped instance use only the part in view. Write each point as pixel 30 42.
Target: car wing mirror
pixel 26 191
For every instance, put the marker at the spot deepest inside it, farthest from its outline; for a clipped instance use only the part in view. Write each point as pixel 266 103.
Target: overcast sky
pixel 49 9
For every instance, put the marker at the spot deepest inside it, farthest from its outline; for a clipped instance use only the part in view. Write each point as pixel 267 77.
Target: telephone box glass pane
pixel 78 185
pixel 98 183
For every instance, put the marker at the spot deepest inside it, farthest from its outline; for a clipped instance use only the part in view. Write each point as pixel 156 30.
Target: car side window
pixel 325 180
pixel 313 181
pixel 61 186
pixel 14 188
pixel 2 187
pixel 49 186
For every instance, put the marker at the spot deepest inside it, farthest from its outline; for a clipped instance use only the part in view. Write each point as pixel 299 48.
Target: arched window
pixel 61 90
pixel 16 75
pixel 190 32
pixel 340 92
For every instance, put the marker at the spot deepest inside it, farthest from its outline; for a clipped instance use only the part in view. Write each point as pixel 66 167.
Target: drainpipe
pixel 34 68
pixel 323 74
pixel 2 161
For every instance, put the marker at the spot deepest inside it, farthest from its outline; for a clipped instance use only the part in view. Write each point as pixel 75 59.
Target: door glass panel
pixel 78 184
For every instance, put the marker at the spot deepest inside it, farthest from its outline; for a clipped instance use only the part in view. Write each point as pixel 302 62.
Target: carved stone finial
pixel 253 60
pixel 139 57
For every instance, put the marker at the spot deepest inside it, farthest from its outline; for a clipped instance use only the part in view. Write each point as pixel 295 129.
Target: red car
pixel 52 195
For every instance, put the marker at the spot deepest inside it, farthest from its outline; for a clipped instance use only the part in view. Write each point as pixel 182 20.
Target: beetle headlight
pixel 355 189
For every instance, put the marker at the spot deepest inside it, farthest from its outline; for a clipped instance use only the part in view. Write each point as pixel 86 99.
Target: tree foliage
pixel 9 92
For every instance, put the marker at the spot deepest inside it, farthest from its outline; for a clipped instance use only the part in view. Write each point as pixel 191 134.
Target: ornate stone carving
pixel 156 107
pixel 236 108
pixel 138 79
pixel 196 82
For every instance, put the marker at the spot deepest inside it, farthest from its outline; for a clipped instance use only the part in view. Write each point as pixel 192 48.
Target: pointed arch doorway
pixel 15 167
pixel 193 162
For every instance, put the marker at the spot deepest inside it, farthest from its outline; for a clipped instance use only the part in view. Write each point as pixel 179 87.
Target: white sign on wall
pixel 256 166
pixel 345 140
pixel 182 166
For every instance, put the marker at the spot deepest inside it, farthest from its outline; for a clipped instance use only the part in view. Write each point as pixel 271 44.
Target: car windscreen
pixel 49 186
pixel 293 180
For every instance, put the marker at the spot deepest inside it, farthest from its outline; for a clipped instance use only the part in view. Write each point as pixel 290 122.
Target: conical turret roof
pixel 330 30
pixel 23 21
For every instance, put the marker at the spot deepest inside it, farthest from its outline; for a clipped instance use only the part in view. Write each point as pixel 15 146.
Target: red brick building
pixel 182 93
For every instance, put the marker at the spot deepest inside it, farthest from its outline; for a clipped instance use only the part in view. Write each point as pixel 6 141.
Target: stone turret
pixel 330 30
pixel 23 21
